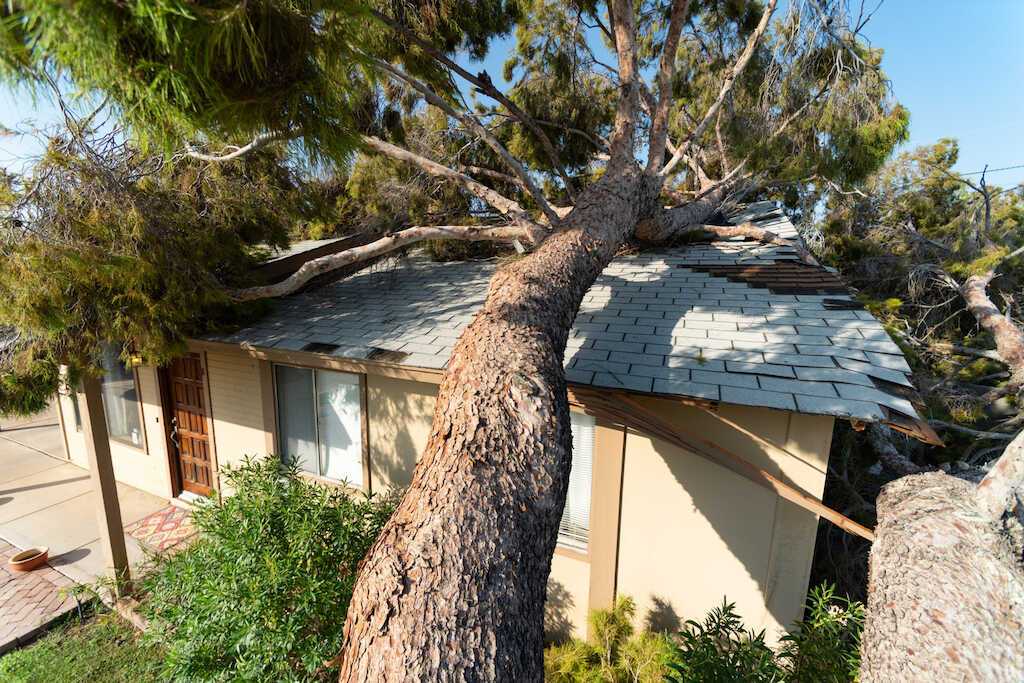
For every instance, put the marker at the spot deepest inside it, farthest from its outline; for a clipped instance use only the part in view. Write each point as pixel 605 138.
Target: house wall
pixel 144 468
pixel 693 532
pixel 400 413
pixel 673 530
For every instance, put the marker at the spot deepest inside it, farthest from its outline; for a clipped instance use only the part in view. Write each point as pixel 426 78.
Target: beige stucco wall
pixel 693 533
pixel 144 468
pixel 400 413
pixel 690 531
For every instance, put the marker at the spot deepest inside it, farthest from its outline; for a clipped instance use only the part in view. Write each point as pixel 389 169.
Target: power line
pixel 993 170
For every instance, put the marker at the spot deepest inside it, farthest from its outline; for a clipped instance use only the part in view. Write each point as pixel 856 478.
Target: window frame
pixel 144 446
pixel 364 454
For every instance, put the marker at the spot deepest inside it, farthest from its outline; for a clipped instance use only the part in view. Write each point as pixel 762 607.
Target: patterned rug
pixel 163 529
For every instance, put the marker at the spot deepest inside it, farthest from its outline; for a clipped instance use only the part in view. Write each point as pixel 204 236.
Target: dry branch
pixel 236 152
pixel 479 130
pixel 389 243
pixel 727 85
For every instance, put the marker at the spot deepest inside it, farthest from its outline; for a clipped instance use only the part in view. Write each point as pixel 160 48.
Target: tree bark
pixel 946 588
pixel 1008 337
pixel 454 588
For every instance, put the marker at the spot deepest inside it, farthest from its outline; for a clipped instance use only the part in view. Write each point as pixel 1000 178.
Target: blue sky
pixel 957 65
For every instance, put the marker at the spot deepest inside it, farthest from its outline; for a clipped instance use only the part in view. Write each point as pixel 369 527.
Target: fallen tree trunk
pixel 946 587
pixel 454 589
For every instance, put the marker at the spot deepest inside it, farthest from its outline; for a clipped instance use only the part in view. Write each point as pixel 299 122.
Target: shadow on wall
pixel 662 617
pixel 557 624
pixel 401 414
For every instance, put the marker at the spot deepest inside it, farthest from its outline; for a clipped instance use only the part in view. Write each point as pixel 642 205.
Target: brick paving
pixel 29 601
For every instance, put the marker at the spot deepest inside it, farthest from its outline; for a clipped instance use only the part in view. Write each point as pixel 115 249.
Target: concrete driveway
pixel 47 501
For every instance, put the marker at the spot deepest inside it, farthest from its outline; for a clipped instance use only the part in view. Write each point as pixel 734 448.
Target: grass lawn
pixel 103 648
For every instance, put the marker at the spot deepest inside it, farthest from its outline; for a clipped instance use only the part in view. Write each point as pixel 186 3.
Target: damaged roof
pixel 731 321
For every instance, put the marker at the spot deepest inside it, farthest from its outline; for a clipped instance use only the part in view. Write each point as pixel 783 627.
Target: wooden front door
pixel 188 427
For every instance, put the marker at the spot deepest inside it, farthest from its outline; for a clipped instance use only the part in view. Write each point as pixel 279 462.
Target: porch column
pixel 104 486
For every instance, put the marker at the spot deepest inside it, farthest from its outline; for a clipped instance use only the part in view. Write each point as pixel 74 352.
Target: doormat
pixel 163 529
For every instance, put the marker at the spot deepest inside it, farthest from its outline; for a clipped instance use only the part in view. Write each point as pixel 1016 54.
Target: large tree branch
pixel 1008 337
pixel 479 129
pixel 880 438
pixel 659 117
pixel 727 86
pixel 325 264
pixel 672 226
pixel 484 84
pixel 624 29
pixel 501 203
pixel 1004 481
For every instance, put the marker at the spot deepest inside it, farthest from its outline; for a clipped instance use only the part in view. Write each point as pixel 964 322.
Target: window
pixel 320 422
pixel 574 529
pixel 121 400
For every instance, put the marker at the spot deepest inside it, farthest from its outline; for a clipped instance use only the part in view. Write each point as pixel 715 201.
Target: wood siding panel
pixel 400 415
pixel 236 405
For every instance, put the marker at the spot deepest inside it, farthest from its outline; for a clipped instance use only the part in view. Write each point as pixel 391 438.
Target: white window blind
pixel 319 422
pixel 574 530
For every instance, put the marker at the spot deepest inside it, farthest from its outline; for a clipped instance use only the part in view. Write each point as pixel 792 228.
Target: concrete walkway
pixel 47 501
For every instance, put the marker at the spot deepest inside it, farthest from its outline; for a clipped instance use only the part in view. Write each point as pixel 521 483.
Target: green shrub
pixel 721 650
pixel 262 594
pixel 613 652
pixel 823 648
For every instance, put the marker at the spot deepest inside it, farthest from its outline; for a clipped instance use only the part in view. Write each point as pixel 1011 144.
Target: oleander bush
pixel 822 648
pixel 262 594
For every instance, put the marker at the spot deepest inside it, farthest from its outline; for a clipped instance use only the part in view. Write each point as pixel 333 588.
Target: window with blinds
pixel 574 530
pixel 319 422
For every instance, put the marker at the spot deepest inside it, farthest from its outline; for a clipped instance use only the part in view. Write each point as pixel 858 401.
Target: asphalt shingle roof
pixel 662 323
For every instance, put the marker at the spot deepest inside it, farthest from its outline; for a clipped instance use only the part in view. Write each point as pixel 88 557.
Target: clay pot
pixel 27 560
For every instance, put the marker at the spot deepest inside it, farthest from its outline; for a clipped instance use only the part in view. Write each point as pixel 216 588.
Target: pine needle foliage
pixel 229 71
pixel 178 70
pixel 108 245
pixel 613 653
